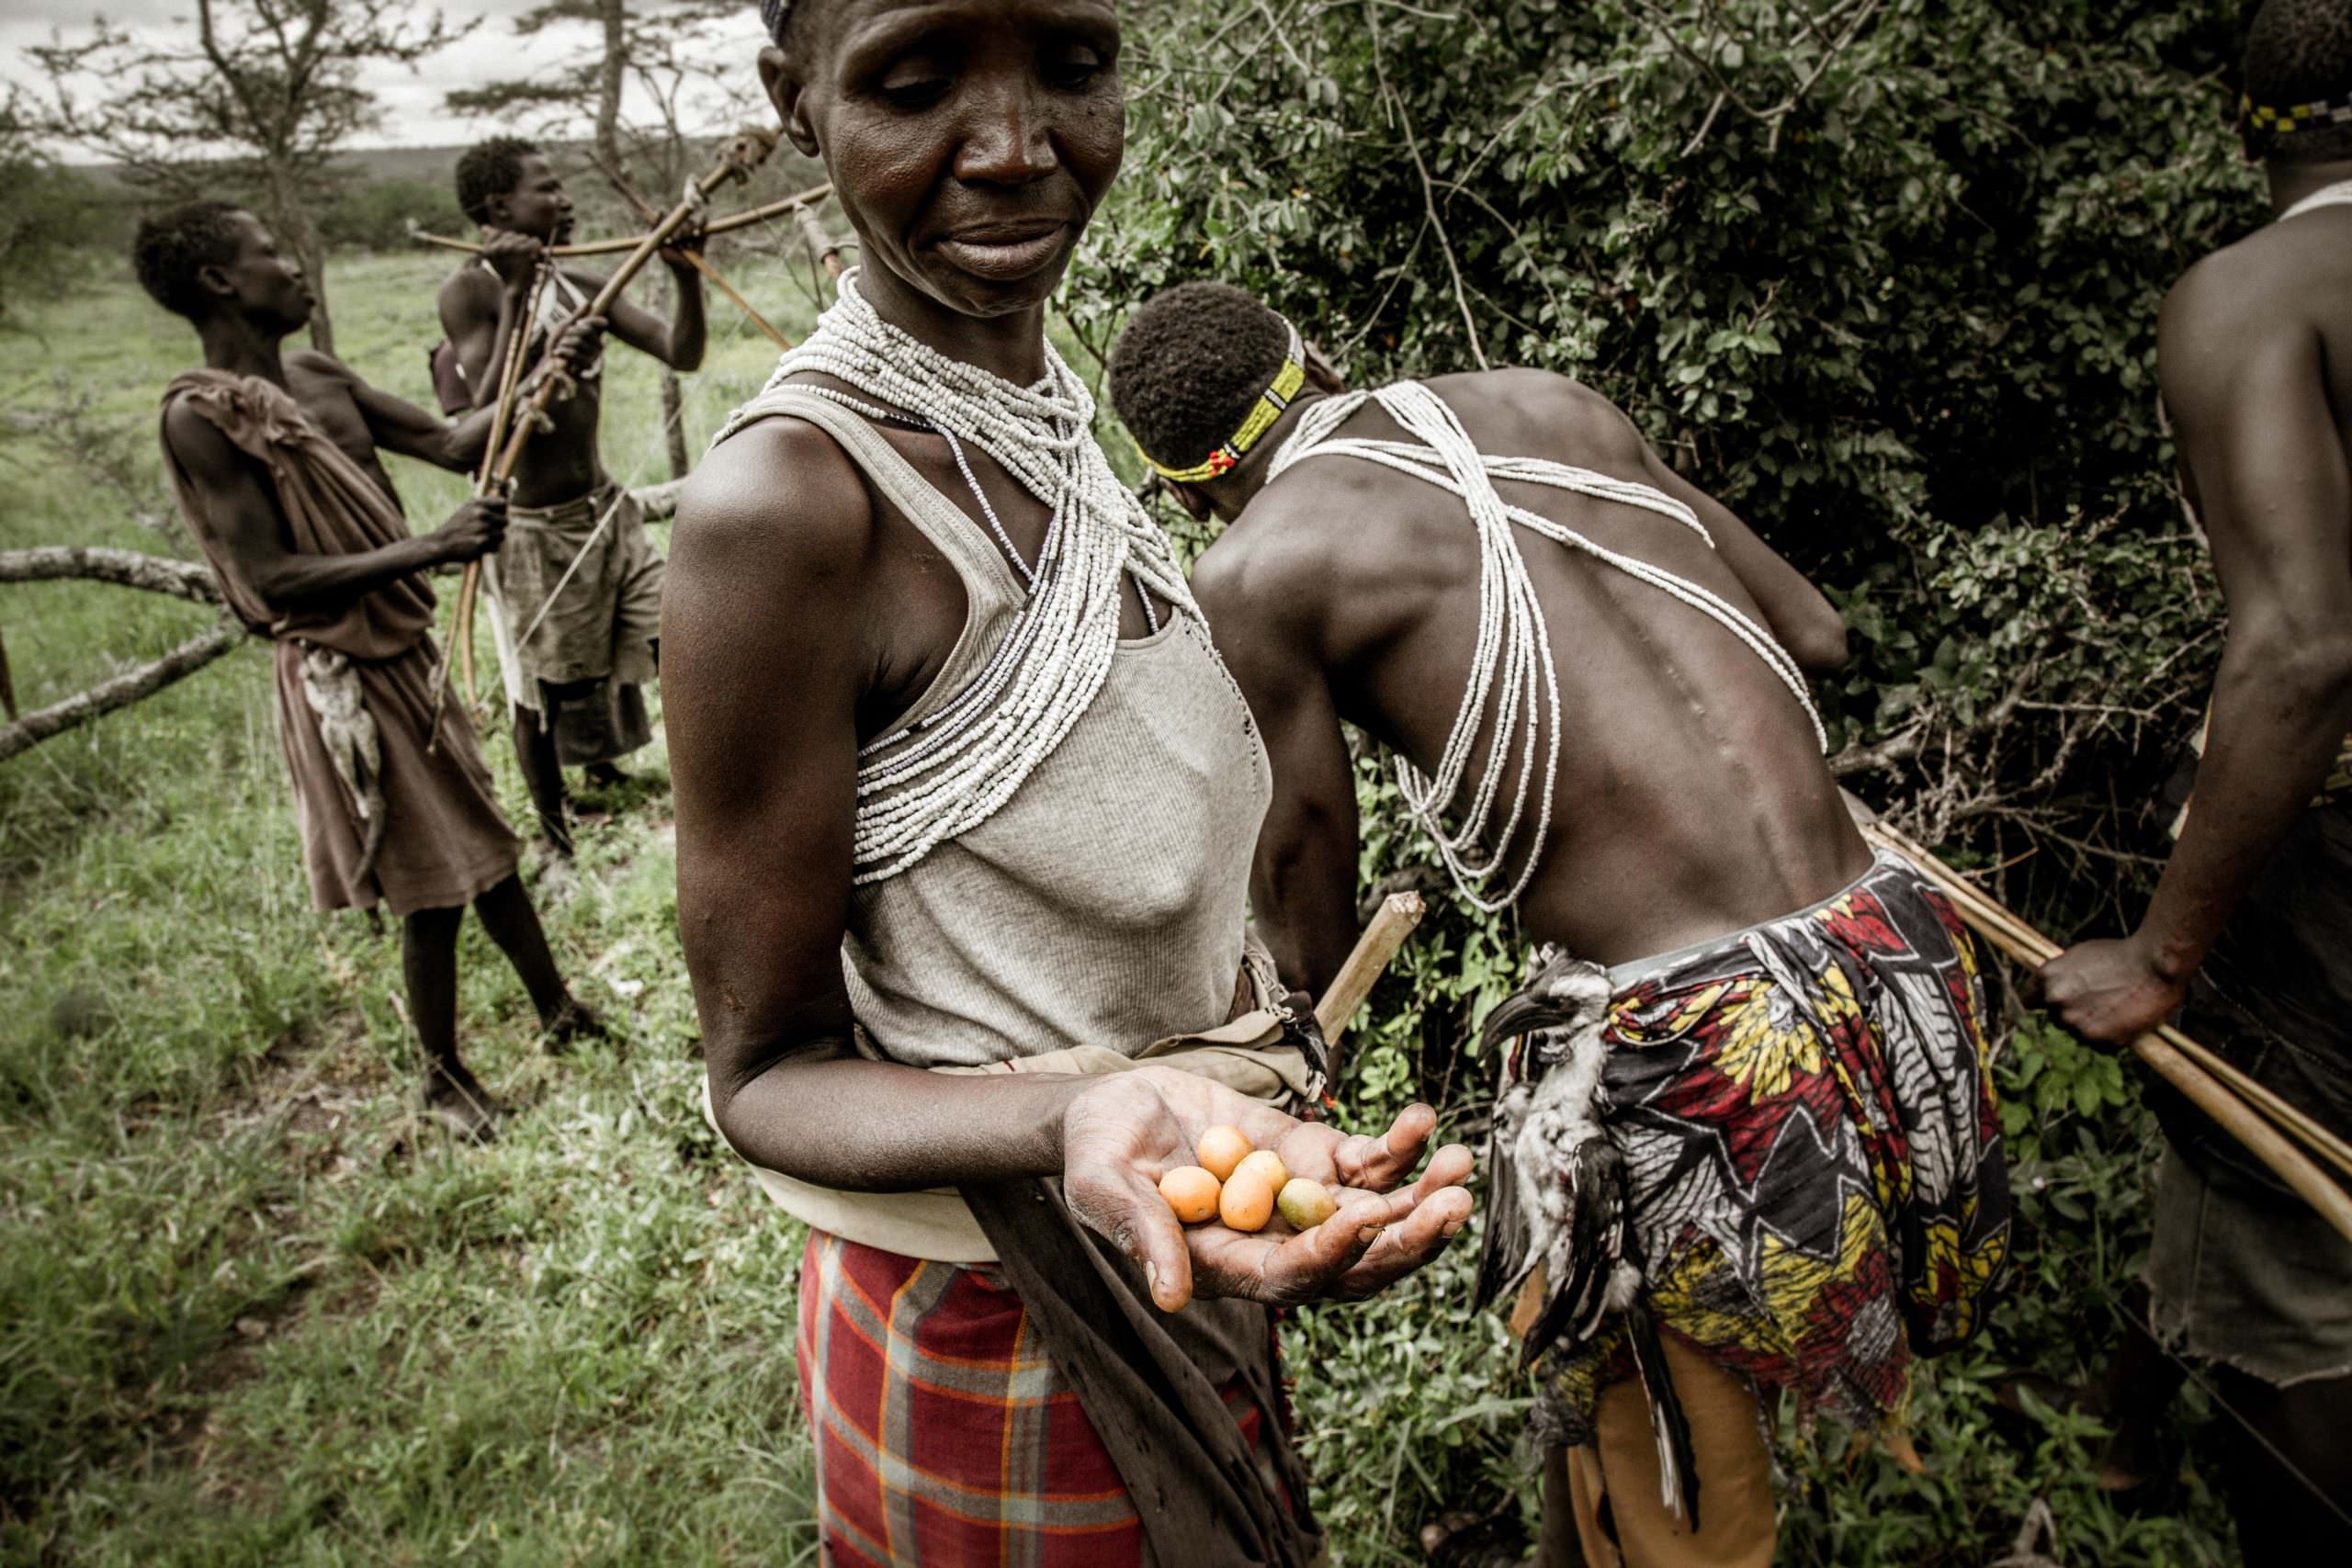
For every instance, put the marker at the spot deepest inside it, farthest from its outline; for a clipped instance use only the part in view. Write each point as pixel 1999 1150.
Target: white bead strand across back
pixel 924 783
pixel 1512 675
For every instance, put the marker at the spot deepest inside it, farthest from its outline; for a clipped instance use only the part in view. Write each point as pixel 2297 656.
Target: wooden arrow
pixel 2205 1079
pixel 1398 914
pixel 727 225
pixel 694 258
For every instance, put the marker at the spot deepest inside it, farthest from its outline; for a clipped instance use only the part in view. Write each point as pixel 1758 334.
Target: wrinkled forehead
pixel 532 170
pixel 821 25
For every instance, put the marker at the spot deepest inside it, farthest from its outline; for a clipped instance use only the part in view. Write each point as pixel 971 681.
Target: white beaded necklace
pixel 1513 663
pixel 927 782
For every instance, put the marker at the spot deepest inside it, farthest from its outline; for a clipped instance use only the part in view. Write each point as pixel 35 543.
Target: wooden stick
pixel 726 225
pixel 1374 949
pixel 694 258
pixel 820 244
pixel 461 622
pixel 2012 935
pixel 2028 946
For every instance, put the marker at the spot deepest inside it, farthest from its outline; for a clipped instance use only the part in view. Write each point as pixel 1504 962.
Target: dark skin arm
pixel 240 506
pixel 1266 619
pixel 478 312
pixel 679 342
pixel 765 775
pixel 395 425
pixel 2257 435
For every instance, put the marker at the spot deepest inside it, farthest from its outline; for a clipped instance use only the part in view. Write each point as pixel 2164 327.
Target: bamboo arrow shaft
pixel 727 225
pixel 1373 951
pixel 2163 1052
pixel 695 259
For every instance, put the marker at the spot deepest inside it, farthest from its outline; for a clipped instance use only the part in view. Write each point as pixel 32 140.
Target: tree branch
pixel 99 563
pixel 121 692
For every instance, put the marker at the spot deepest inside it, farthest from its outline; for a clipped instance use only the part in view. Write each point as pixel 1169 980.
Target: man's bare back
pixel 1690 799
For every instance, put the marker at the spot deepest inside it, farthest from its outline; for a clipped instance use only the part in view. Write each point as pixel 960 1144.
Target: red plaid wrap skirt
pixel 944 1435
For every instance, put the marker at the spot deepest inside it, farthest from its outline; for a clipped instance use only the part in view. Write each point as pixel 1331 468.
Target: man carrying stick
pixel 577 586
pixel 1769 1134
pixel 2251 925
pixel 273 456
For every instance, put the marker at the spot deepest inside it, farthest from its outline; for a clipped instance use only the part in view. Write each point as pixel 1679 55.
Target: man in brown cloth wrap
pixel 2251 925
pixel 575 585
pixel 272 458
pixel 1756 1150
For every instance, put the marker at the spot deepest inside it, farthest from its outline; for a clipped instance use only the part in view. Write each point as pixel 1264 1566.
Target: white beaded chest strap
pixel 927 782
pixel 1512 675
pixel 2337 195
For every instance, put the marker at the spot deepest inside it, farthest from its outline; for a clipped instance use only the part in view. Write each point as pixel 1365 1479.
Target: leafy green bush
pixel 1884 277
pixel 374 215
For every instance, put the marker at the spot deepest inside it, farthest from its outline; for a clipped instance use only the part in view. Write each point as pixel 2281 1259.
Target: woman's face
pixel 969 140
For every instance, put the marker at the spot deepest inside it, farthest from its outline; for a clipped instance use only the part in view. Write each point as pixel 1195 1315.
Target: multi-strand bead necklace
pixel 924 782
pixel 1512 675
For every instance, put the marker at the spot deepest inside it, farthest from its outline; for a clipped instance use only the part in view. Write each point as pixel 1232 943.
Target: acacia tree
pixel 258 97
pixel 662 46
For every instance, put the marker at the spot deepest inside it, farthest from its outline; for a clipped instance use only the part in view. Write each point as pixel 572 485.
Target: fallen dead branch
pixel 121 692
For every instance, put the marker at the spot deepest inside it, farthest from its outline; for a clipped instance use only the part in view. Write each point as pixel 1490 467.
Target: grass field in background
pixel 251 1309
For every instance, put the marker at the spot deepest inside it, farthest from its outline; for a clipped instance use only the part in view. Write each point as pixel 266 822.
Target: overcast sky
pixel 415 115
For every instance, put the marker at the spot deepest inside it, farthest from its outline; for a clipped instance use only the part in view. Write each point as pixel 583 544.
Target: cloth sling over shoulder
pixel 1513 665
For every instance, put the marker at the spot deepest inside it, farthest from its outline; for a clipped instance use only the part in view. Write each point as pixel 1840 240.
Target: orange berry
pixel 1247 1203
pixel 1269 1165
pixel 1192 1192
pixel 1222 1148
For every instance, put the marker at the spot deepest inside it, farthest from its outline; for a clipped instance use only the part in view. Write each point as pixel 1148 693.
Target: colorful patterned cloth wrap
pixel 1812 1149
pixel 943 1433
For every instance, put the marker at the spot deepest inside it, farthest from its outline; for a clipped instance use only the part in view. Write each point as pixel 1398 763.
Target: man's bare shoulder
pixel 776 507
pixel 317 363
pixel 1307 540
pixel 1541 413
pixel 190 434
pixel 471 291
pixel 2287 279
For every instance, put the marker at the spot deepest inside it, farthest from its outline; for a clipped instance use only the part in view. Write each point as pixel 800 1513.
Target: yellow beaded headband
pixel 1269 408
pixel 2266 124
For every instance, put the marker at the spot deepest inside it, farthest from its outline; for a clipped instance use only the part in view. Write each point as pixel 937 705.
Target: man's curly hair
pixel 172 247
pixel 2300 51
pixel 1190 368
pixel 491 168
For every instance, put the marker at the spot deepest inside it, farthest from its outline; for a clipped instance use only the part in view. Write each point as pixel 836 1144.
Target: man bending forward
pixel 1592 677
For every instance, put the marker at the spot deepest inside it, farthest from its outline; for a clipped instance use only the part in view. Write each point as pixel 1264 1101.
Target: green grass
pixel 252 1312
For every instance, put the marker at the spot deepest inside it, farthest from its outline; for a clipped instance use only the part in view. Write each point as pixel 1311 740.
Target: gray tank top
pixel 1102 905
